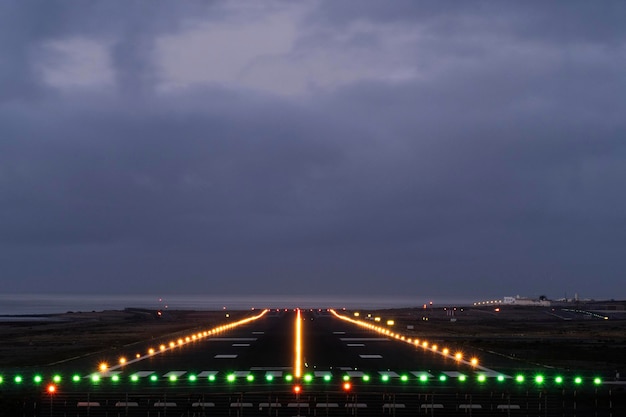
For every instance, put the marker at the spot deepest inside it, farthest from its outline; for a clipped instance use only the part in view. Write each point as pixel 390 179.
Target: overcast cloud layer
pixel 462 149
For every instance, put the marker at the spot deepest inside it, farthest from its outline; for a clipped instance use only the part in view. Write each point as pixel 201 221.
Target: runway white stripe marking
pixel 493 374
pixel 225 356
pixel 339 332
pixel 390 374
pixel 371 356
pixel 206 374
pixel 322 374
pixel 233 339
pixel 241 344
pixel 175 373
pixel 364 339
pixel 258 332
pixel 241 374
pixel 453 374
pixel 270 368
pixel 355 374
pixel 143 374
pixel 420 373
pixel 275 374
pixel 355 344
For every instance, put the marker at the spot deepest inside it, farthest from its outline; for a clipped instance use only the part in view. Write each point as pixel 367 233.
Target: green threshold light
pixel 500 378
pixel 269 378
pixel 134 378
pixel 192 378
pixel 211 378
pixel 597 381
pixel 115 378
pixel 539 379
pixel 462 378
pixel 423 378
pixel 37 379
pixel 250 377
pixel 404 378
pixel 231 378
pixel 153 378
pixel 288 378
pixel 385 378
pixel 578 380
pixel 308 378
pixel 482 378
pixel 95 378
pixel 327 377
pixel 519 379
pixel 366 378
pixel 173 378
pixel 558 379
pixel 443 378
pixel 18 379
pixel 57 378
pixel 76 378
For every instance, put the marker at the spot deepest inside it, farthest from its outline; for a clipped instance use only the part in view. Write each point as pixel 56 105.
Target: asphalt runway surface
pixel 346 369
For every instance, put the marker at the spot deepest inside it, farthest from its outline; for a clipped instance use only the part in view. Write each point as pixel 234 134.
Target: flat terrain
pixel 527 337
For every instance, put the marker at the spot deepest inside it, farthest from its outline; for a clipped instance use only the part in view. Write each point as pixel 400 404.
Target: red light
pixel 347 386
pixel 52 389
pixel 297 389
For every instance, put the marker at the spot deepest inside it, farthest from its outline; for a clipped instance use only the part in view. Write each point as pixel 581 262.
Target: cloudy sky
pixel 459 149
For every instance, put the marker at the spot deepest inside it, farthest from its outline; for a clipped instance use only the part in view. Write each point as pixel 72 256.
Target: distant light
pixel 390 322
pixel 356 314
pixel 103 367
pixel 122 361
pixel 150 351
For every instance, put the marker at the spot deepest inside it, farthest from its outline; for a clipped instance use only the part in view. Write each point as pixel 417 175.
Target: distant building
pixel 524 301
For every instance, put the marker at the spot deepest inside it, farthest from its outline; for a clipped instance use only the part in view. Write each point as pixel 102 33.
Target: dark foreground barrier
pixel 373 401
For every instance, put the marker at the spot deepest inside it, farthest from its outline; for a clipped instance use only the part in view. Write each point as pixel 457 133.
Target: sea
pixel 42 304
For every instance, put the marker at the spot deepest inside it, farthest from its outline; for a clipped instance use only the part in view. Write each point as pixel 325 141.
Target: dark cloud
pixel 493 165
